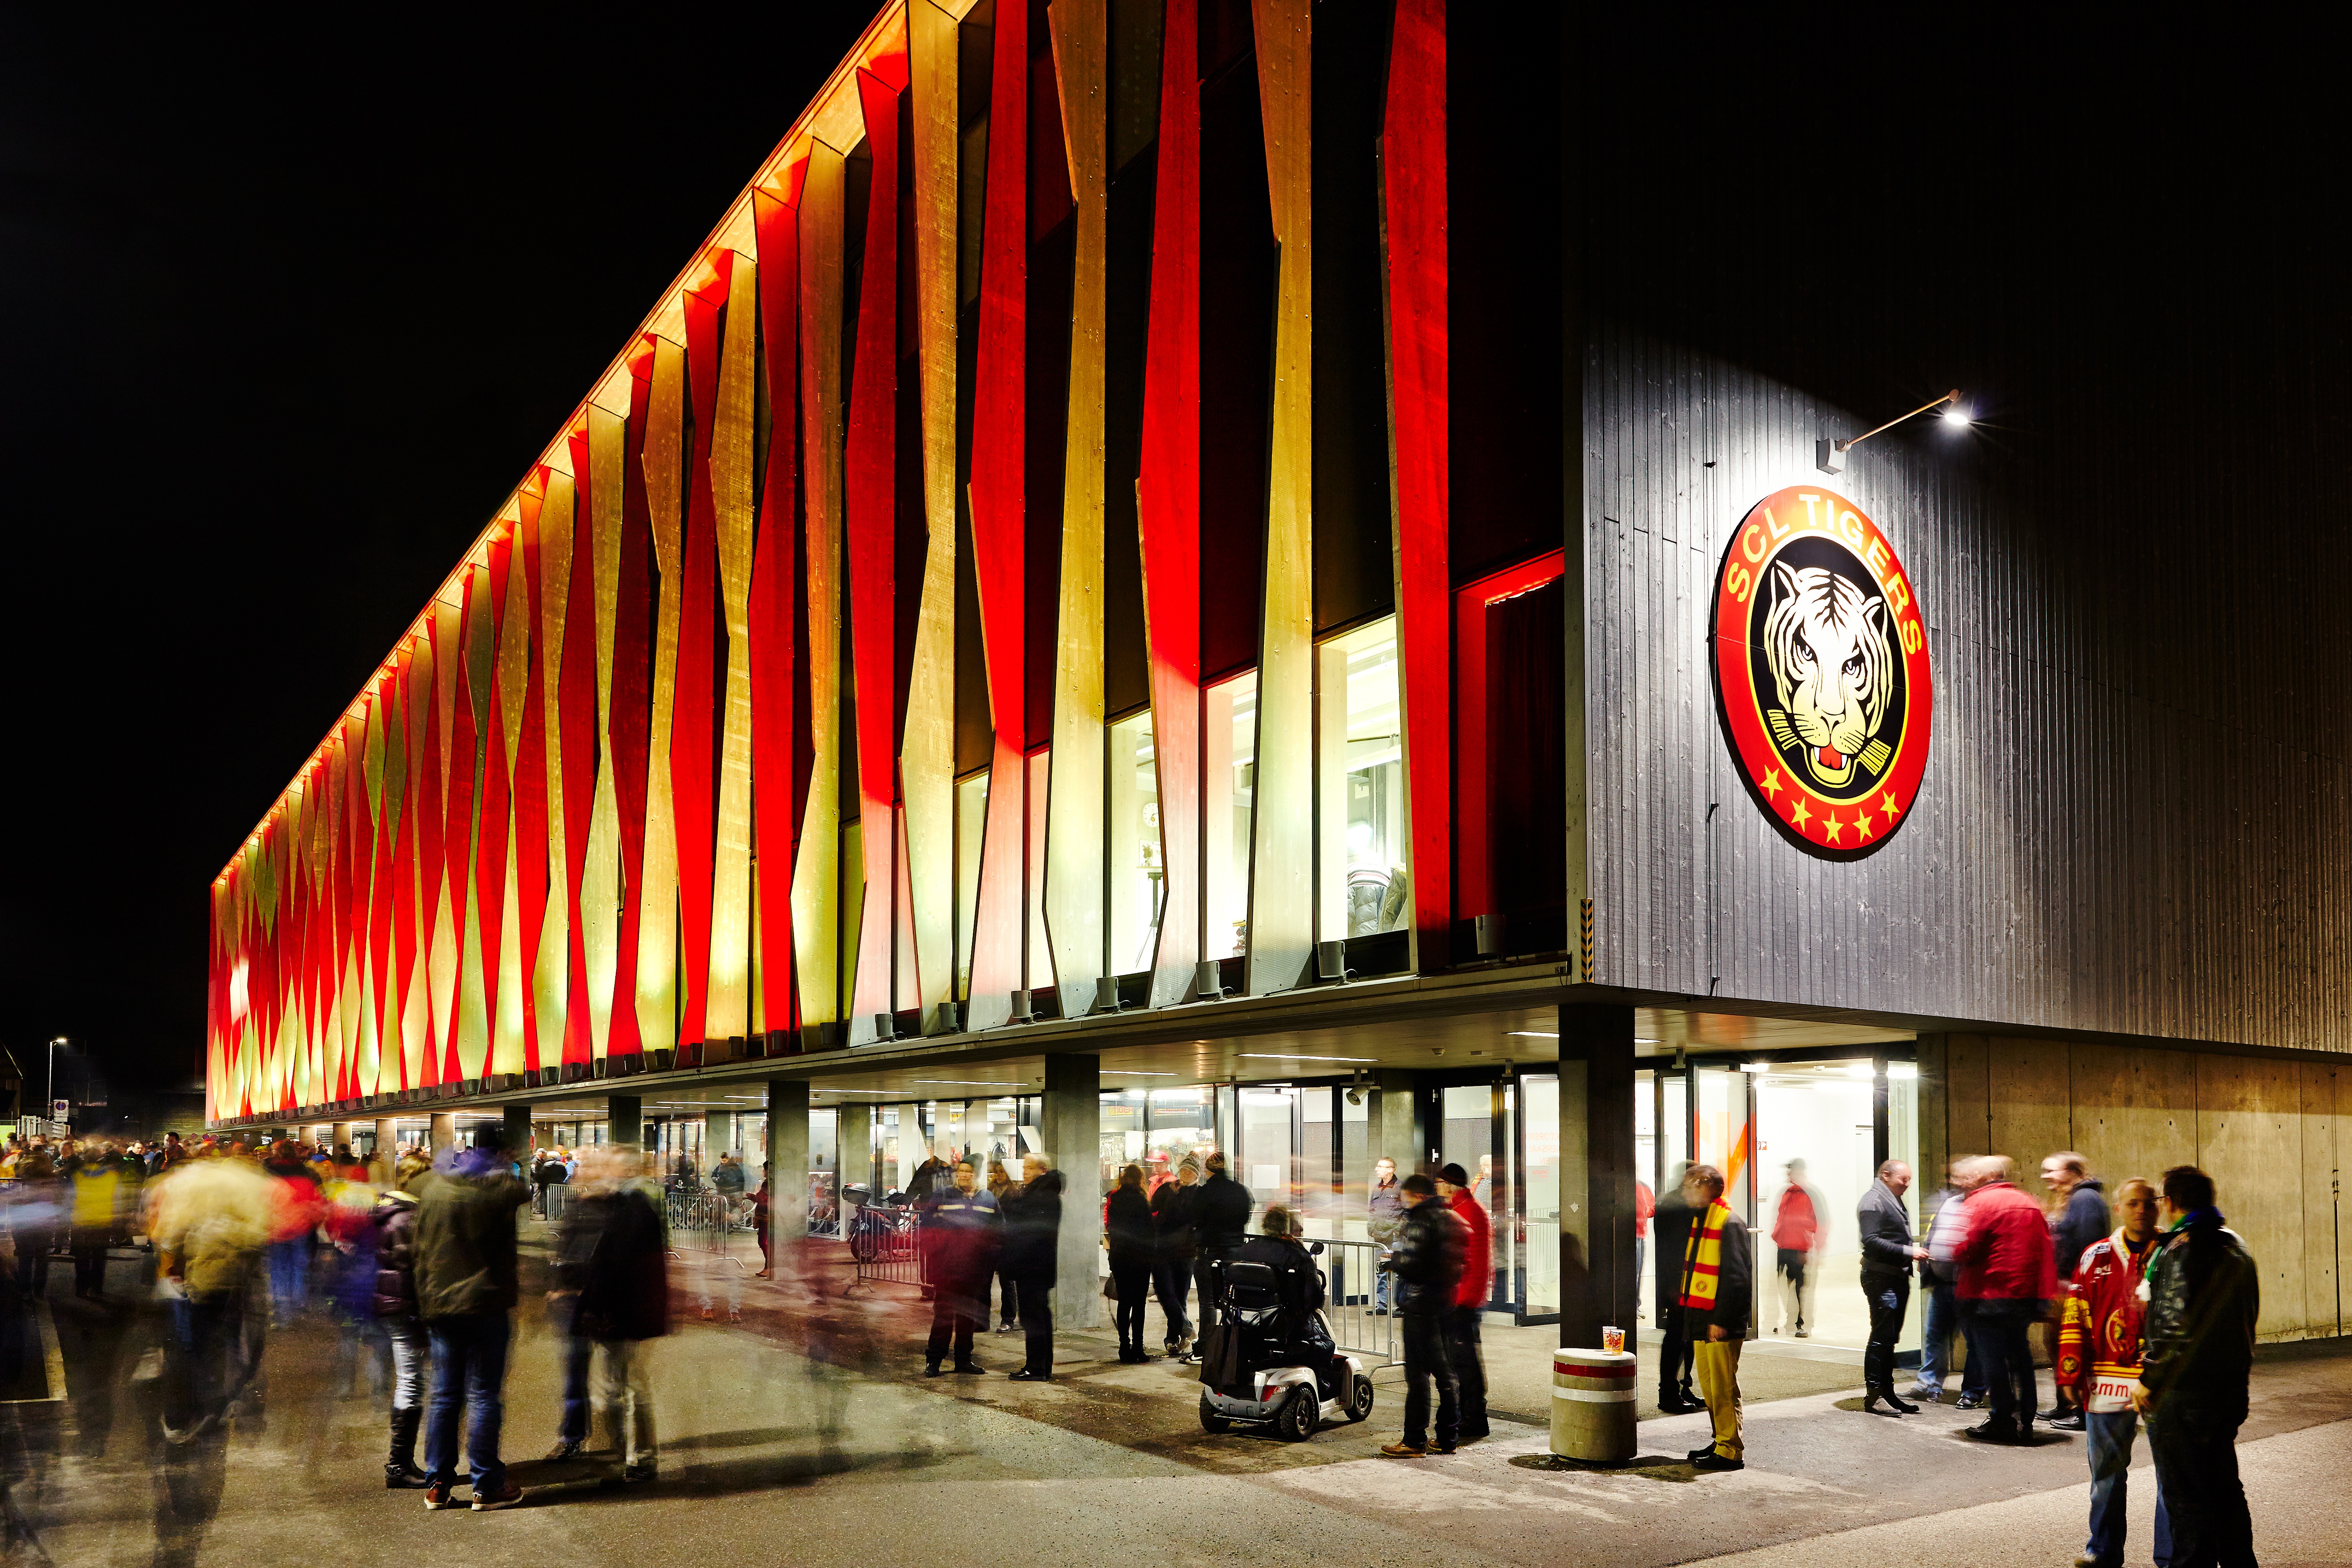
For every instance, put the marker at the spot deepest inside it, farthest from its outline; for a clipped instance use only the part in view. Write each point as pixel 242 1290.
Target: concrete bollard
pixel 1592 1405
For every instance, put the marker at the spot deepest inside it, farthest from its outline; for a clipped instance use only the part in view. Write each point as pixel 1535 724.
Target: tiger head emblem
pixel 1834 664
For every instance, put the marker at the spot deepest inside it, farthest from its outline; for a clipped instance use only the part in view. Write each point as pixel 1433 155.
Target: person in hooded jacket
pixel 613 1281
pixel 466 1291
pixel 1032 1233
pixel 393 1300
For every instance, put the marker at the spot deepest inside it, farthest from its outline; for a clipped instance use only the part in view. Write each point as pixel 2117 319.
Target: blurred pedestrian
pixel 1673 1218
pixel 1946 1224
pixel 1463 1352
pixel 96 1195
pixel 1131 1238
pixel 2007 1279
pixel 40 1211
pixel 1033 1240
pixel 1427 1260
pixel 2078 1217
pixel 1008 1293
pixel 1888 1258
pixel 1799 1229
pixel 466 1292
pixel 1717 1288
pixel 2098 1361
pixel 1645 1205
pixel 298 1205
pixel 963 1228
pixel 1174 1250
pixel 393 1301
pixel 613 1284
pixel 212 1217
pixel 1384 1218
pixel 762 1217
pixel 2203 1298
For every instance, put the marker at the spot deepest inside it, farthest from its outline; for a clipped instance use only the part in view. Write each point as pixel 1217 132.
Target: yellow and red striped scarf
pixel 1703 1257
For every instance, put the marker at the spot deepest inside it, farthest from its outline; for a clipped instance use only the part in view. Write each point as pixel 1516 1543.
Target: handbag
pixel 1110 1288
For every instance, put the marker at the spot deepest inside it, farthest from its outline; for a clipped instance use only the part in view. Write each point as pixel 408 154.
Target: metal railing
pixel 885 1240
pixel 1355 1289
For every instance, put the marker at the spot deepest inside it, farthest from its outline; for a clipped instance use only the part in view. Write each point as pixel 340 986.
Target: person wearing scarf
pixel 2196 1351
pixel 1717 1297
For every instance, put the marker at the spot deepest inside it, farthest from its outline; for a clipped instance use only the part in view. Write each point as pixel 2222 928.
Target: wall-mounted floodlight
pixel 1829 455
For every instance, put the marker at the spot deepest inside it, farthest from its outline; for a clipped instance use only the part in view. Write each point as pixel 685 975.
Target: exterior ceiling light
pixel 1829 453
pixel 1285 1056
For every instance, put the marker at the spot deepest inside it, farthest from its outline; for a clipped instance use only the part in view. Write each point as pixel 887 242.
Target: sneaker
pixel 436 1497
pixel 565 1448
pixel 1008 1328
pixel 639 1473
pixel 1404 1452
pixel 1803 1332
pixel 1926 1395
pixel 505 1495
pixel 2071 1421
pixel 1969 1402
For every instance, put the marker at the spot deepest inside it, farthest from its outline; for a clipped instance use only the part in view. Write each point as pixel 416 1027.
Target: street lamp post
pixel 54 1043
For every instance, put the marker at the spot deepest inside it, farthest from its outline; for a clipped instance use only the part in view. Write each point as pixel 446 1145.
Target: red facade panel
pixel 776 698
pixel 695 725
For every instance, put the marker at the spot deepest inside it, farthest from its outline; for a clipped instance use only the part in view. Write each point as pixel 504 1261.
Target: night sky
pixel 289 315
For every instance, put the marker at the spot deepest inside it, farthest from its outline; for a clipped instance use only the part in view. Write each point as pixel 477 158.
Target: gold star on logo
pixel 1862 823
pixel 1771 785
pixel 1830 832
pixel 1888 800
pixel 1803 816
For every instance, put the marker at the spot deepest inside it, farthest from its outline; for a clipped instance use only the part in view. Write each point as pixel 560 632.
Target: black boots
pixel 400 1471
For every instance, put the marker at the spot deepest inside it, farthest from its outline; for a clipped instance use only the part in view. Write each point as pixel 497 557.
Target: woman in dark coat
pixel 1128 1230
pixel 392 1301
pixel 611 1257
pixel 1033 1232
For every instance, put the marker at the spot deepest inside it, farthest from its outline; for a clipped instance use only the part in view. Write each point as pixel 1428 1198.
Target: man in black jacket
pixel 1718 1298
pixel 2198 1351
pixel 1220 1225
pixel 1888 1256
pixel 1033 1243
pixel 1672 1221
pixel 1427 1261
pixel 613 1291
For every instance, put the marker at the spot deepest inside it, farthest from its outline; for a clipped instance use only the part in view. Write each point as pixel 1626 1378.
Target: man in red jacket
pixel 2098 1362
pixel 2007 1273
pixel 1469 1297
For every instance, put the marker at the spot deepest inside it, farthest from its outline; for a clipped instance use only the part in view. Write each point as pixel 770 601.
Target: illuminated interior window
pixel 1136 872
pixel 1364 866
pixel 971 816
pixel 1231 739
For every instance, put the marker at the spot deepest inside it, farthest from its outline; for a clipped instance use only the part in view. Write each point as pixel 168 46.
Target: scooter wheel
pixel 1359 1399
pixel 1211 1422
pixel 1296 1421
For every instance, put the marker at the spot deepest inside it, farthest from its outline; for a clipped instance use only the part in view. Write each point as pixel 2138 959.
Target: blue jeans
pixel 2111 1451
pixel 1943 1313
pixel 469 1365
pixel 289 1275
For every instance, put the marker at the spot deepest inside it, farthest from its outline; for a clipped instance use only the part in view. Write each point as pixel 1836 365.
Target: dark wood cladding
pixel 2134 815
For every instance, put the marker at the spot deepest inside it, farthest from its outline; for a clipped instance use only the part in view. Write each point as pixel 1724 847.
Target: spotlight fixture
pixel 1829 453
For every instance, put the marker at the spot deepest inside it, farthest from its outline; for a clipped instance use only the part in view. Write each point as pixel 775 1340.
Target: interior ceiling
pixel 1527 1038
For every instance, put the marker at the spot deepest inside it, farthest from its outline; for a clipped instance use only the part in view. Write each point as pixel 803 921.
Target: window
pixel 972 818
pixel 1230 740
pixel 1364 860
pixel 1137 875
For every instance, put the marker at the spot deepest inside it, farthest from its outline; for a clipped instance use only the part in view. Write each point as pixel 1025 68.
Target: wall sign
pixel 1820 672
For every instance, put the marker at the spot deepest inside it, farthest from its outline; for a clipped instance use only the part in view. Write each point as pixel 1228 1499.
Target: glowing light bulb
pixel 1957 416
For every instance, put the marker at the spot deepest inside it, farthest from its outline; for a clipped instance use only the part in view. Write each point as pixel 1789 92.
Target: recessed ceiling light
pixel 1534 1034
pixel 1284 1056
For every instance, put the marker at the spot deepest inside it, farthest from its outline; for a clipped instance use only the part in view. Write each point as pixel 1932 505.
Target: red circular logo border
pixel 1832 829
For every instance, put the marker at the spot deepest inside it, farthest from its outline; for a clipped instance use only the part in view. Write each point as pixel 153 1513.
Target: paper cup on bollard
pixel 1592 1405
pixel 1613 1340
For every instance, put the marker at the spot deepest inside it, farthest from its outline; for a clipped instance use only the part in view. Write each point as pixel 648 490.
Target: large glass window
pixel 1542 1132
pixel 1814 1142
pixel 1182 1123
pixel 971 819
pixel 1137 871
pixel 1230 740
pixel 1268 1147
pixel 1121 1132
pixel 1363 863
pixel 1041 949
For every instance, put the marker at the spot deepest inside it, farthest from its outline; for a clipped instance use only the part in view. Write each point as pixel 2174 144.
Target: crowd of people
pixel 2148 1321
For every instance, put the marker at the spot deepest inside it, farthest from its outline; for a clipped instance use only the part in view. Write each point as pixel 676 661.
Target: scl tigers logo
pixel 1820 667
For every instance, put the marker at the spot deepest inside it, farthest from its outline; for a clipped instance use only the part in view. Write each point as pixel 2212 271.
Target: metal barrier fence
pixel 886 1239
pixel 1355 1290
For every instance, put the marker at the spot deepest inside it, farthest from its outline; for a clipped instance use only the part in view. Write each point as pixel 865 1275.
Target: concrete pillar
pixel 625 1119
pixel 788 1160
pixel 1071 1121
pixel 853 1137
pixel 341 1137
pixel 1596 1281
pixel 515 1134
pixel 717 1135
pixel 445 1131
pixel 387 1149
pixel 1398 1129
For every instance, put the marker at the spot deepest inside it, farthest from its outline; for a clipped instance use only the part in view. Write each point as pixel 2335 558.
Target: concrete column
pixel 853 1137
pixel 625 1119
pixel 387 1147
pixel 340 1134
pixel 1071 1121
pixel 788 1160
pixel 515 1134
pixel 717 1135
pixel 1398 1129
pixel 445 1131
pixel 1597 1283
